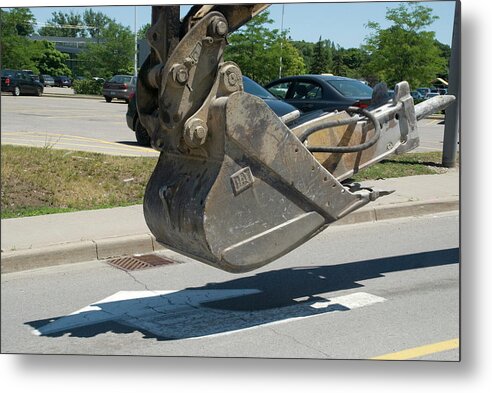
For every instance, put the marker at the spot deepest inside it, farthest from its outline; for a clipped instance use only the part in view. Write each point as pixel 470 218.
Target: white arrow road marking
pixel 192 313
pixel 354 300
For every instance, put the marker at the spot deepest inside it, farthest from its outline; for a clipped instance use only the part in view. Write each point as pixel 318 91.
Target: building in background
pixel 75 45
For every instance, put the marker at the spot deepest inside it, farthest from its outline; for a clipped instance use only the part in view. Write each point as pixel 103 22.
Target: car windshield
pixel 7 73
pixel 351 88
pixel 255 89
pixel 121 79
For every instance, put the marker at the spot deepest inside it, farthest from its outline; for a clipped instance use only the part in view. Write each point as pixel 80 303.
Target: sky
pixel 342 23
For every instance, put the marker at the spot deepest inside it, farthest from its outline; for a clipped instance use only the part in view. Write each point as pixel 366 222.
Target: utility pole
pixel 135 72
pixel 452 125
pixel 281 42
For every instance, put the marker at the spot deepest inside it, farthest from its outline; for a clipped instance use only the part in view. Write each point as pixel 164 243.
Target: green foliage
pixel 89 24
pixel 306 49
pixel 64 25
pixel 95 22
pixel 258 50
pixel 405 51
pixel 88 86
pixel 141 34
pixel 18 52
pixel 17 21
pixel 350 62
pixel 319 63
pixel 51 61
pixel 113 55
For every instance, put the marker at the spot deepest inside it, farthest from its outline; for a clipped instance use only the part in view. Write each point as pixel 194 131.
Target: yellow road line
pixel 424 350
pixel 39 140
pixel 67 145
pixel 62 148
pixel 148 150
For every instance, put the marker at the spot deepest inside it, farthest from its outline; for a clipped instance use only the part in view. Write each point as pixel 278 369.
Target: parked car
pixel 423 90
pixel 32 74
pixel 62 81
pixel 430 95
pixel 119 86
pixel 286 112
pixel 321 92
pixel 47 80
pixel 416 95
pixel 19 82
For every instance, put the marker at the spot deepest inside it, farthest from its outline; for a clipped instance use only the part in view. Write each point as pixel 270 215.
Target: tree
pixel 257 50
pixel 350 62
pixel 292 61
pixel 18 21
pixel 404 51
pixel 320 59
pixel 113 55
pixel 51 61
pixel 306 49
pixel 16 49
pixel 64 25
pixel 95 22
pixel 142 32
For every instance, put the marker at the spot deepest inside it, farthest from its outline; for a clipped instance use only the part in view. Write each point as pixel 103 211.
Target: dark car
pixel 286 112
pixel 62 81
pixel 47 80
pixel 19 82
pixel 321 92
pixel 119 86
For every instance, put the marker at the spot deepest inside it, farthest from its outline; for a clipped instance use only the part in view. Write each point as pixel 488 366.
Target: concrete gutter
pixel 99 249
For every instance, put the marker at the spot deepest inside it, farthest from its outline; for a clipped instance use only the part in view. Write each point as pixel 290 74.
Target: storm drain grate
pixel 139 262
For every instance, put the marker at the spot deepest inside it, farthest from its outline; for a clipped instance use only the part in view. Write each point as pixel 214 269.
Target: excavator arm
pixel 234 186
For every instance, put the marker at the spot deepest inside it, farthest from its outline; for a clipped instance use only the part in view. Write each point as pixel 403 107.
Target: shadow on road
pixel 241 303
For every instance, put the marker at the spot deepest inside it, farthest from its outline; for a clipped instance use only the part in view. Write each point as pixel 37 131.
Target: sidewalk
pixel 55 239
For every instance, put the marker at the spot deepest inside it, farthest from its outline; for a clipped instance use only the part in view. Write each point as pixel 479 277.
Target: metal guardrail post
pixel 452 125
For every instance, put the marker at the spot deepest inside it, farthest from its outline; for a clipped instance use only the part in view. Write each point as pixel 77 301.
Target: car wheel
pixel 16 92
pixel 143 139
pixel 108 99
pixel 39 92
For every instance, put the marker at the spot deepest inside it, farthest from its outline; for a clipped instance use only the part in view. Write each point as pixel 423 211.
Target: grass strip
pixel 45 180
pixel 38 181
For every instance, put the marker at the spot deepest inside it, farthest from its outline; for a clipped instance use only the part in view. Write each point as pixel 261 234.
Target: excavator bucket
pixel 234 186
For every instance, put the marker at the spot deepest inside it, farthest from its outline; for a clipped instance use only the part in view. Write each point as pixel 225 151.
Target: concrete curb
pixel 76 252
pixel 68 253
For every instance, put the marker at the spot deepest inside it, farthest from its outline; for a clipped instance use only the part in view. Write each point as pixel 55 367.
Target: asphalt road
pixel 389 288
pixel 69 123
pixel 98 126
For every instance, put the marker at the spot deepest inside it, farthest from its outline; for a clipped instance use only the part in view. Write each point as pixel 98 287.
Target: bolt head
pixel 221 28
pixel 180 73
